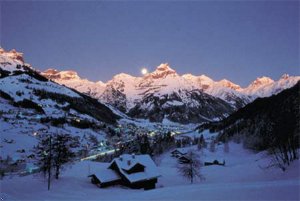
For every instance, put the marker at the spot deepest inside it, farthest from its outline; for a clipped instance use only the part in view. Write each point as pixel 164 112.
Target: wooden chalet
pixel 134 171
pixel 178 153
pixel 184 159
pixel 105 178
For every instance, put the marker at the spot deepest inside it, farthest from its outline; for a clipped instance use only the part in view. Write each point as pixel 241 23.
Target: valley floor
pixel 243 178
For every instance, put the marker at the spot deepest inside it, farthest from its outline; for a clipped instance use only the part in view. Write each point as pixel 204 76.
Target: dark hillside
pixel 264 121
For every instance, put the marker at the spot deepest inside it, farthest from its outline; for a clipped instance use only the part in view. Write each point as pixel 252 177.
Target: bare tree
pixel 53 152
pixel 226 146
pixel 191 169
pixel 212 146
pixel 43 156
pixel 63 151
pixel 201 143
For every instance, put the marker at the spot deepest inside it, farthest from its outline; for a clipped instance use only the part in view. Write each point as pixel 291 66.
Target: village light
pixel 173 133
pixel 152 134
pixel 45 153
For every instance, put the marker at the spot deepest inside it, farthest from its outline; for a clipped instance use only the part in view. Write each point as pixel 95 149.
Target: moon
pixel 144 71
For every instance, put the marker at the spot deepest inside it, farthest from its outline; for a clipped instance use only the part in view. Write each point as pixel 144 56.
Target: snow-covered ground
pixel 243 178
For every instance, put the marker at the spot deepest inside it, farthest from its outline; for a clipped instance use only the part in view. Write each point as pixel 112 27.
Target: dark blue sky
pixel 235 40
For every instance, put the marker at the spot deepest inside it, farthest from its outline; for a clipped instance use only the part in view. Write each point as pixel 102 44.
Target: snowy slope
pixel 31 105
pixel 243 178
pixel 21 82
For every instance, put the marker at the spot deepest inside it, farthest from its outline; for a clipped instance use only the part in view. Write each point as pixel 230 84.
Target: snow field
pixel 243 178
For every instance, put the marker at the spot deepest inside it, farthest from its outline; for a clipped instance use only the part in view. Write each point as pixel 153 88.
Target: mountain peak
pixel 61 75
pixel 229 84
pixel 262 81
pixel 162 71
pixel 284 76
pixel 122 76
pixel 51 71
pixel 13 54
pixel 164 67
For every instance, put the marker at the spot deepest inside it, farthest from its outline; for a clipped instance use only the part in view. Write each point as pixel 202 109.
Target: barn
pixel 134 171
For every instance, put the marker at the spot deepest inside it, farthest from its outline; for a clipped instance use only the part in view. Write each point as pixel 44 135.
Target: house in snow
pixel 184 159
pixel 134 171
pixel 179 152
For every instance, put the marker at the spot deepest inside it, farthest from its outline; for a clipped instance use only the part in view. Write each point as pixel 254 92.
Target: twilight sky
pixel 237 40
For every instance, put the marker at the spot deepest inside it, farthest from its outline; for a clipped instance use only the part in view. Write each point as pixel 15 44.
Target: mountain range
pixel 158 95
pixel 164 93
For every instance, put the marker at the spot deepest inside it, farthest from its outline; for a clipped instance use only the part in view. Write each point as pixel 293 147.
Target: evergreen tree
pixel 144 145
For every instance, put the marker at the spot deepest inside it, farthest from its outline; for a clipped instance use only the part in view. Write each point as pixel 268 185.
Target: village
pixel 129 138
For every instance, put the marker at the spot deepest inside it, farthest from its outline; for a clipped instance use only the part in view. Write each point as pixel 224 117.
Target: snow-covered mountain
pixel 72 80
pixel 163 89
pixel 31 105
pixel 21 82
pixel 224 89
pixel 265 86
pixel 165 94
pixel 155 96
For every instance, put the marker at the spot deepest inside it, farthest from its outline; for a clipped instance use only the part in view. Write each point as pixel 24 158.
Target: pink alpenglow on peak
pixel 51 71
pixel 163 70
pixel 261 81
pixel 12 54
pixel 229 84
pixel 62 75
pixel 10 60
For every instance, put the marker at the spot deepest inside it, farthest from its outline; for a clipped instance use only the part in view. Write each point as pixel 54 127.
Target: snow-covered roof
pixel 107 175
pixel 150 169
pixel 183 151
